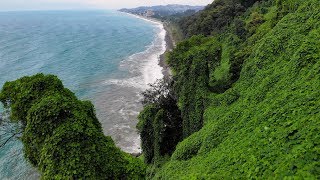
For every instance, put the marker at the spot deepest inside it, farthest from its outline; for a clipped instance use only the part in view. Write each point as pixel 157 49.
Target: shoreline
pixel 169 43
pixel 159 61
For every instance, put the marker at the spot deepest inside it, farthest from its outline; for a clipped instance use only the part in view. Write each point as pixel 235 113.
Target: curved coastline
pixel 144 68
pixel 169 43
pixel 117 101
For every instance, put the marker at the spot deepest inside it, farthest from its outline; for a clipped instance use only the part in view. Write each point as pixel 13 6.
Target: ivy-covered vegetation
pixel 160 121
pixel 61 134
pixel 243 103
pixel 247 86
pixel 215 18
pixel 192 61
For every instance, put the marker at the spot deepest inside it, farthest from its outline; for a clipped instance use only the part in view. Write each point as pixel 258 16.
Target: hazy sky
pixel 7 5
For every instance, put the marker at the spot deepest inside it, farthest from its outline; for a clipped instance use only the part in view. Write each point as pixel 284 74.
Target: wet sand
pixel 170 44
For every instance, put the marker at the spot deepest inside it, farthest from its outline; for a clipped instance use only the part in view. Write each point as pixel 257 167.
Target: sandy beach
pixel 169 43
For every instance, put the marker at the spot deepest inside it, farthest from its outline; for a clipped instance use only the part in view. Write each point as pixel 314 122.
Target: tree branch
pixel 12 136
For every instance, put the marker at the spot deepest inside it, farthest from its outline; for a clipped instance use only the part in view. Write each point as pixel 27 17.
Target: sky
pixel 13 5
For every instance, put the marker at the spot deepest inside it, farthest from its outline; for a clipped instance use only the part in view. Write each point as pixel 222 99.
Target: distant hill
pixel 163 11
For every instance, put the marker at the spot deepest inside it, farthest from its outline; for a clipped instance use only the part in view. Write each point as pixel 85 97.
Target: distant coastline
pixel 169 43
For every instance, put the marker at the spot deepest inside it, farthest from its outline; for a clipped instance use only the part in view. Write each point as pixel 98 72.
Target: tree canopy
pixel 61 135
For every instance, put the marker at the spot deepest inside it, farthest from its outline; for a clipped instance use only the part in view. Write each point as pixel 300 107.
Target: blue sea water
pixel 106 57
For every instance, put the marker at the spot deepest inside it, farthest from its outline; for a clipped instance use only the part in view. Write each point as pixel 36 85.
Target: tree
pixel 8 130
pixel 61 135
pixel 160 123
pixel 213 19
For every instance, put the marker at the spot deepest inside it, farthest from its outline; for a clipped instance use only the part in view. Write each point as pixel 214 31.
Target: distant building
pixel 149 13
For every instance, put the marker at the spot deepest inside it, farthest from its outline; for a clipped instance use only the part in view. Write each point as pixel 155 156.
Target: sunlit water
pixel 104 56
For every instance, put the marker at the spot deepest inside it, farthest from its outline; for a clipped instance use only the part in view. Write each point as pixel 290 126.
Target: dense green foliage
pixel 160 121
pixel 61 135
pixel 215 17
pixel 248 92
pixel 243 104
pixel 192 61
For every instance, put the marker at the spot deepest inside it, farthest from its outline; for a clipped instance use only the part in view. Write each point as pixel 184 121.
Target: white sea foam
pixel 145 64
pixel 144 69
pixel 152 71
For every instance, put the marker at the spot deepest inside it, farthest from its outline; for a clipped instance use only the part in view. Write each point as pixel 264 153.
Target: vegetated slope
pixel 215 17
pixel 267 122
pixel 61 135
pixel 163 11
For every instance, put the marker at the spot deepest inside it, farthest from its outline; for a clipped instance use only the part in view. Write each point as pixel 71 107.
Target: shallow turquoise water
pixel 97 54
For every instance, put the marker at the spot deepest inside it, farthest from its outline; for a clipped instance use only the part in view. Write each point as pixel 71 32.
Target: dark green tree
pixel 61 135
pixel 213 19
pixel 160 123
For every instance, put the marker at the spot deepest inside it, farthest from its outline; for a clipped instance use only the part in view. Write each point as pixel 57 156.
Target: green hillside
pixel 249 97
pixel 243 103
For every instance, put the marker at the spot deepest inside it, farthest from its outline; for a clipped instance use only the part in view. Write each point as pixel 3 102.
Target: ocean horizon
pixel 105 56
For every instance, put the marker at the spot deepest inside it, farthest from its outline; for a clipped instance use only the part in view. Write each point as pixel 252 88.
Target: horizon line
pixel 88 8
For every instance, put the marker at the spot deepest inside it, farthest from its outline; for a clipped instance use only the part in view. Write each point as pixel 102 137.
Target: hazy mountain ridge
pixel 163 10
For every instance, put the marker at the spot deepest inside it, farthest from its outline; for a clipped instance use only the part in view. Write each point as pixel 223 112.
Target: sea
pixel 104 56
